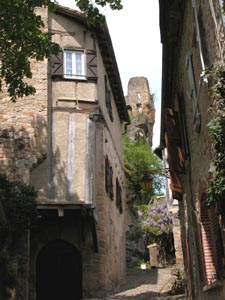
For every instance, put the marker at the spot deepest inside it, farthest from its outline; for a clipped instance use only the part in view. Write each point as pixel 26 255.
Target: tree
pixel 92 9
pixel 22 39
pixel 138 159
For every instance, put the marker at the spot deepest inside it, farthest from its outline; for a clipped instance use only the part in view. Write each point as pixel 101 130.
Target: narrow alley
pixel 149 284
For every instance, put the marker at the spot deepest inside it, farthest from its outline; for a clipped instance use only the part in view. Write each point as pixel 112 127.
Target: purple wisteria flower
pixel 156 221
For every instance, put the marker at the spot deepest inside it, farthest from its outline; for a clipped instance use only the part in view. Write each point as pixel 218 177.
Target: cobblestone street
pixel 145 285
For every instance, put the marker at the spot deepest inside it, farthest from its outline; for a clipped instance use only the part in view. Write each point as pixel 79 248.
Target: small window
pixel 108 178
pixel 74 66
pixel 119 196
pixel 138 105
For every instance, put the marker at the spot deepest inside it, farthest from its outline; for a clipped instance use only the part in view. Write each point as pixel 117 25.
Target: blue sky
pixel 136 40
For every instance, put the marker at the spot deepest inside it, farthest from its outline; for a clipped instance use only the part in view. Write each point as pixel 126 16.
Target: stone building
pixel 192 35
pixel 66 141
pixel 141 105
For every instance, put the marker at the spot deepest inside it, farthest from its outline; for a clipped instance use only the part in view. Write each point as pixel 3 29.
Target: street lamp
pixel 146 182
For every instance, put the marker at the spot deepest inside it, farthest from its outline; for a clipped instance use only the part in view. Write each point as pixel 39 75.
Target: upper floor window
pixel 193 93
pixel 74 64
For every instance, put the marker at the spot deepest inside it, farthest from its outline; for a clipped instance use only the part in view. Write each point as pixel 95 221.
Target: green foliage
pixel 22 38
pixel 223 6
pixel 143 262
pixel 155 222
pixel 139 158
pixel 9 267
pixel 216 188
pixel 91 8
pixel 19 203
pixel 179 284
pixel 156 227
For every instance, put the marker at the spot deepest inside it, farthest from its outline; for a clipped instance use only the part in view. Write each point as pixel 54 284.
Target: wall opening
pixel 59 272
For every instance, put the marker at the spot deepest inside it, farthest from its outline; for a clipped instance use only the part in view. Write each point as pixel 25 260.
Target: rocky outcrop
pixel 142 115
pixel 142 111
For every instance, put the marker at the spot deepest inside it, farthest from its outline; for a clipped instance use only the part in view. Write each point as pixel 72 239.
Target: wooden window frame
pixel 77 64
pixel 89 65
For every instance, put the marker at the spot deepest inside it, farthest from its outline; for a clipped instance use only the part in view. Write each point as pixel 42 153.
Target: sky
pixel 135 35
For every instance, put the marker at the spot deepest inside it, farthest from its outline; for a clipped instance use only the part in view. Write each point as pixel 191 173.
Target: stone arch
pixel 59 272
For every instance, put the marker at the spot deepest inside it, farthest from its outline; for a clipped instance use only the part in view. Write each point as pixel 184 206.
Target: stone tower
pixel 141 106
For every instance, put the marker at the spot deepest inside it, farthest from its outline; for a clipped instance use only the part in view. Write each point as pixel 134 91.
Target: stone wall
pixel 23 132
pixel 142 110
pixel 200 150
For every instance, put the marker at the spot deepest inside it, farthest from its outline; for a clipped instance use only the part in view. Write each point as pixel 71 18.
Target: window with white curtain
pixel 74 65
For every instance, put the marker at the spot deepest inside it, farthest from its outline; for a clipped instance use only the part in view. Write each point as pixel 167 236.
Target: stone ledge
pixel 214 285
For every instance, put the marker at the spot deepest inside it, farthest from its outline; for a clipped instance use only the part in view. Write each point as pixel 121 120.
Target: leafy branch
pixel 216 188
pixel 138 159
pixel 22 39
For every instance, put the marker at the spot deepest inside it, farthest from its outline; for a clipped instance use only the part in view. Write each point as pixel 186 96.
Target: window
pixel 74 64
pixel 192 93
pixel 119 196
pixel 138 95
pixel 108 178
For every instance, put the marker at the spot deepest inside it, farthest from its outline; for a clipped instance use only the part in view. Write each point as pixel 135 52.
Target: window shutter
pixel 193 92
pixel 191 79
pixel 57 64
pixel 92 66
pixel 216 240
pixel 111 183
pixel 199 249
pixel 107 174
pixel 119 196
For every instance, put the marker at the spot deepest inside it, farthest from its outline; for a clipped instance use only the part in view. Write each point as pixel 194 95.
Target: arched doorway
pixel 58 272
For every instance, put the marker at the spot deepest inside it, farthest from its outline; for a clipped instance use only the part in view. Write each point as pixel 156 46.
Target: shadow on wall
pixel 51 180
pixel 24 156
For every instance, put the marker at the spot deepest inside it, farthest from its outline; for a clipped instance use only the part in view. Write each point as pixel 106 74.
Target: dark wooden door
pixel 59 275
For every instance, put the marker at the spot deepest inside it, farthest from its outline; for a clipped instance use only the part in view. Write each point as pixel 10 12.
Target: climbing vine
pixel 19 206
pixel 216 188
pixel 19 203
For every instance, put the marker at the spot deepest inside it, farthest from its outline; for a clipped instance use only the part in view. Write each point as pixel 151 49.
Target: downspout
pixel 216 29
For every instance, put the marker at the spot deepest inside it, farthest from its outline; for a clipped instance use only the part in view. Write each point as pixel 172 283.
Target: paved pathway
pixel 144 285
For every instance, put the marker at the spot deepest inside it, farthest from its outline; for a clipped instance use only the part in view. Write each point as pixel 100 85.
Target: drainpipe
pixel 216 29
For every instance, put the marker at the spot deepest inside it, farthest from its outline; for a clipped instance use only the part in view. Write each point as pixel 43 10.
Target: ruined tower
pixel 141 106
